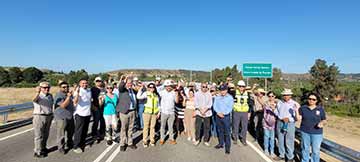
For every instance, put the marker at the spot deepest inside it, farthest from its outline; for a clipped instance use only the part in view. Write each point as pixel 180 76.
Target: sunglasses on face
pixel 45 87
pixel 204 87
pixel 109 88
pixel 271 96
pixel 312 99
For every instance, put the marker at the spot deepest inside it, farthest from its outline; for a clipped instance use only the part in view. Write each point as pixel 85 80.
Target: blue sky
pixel 101 36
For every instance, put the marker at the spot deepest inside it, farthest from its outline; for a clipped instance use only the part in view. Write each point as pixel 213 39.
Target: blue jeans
pixel 286 139
pixel 224 127
pixel 140 117
pixel 269 138
pixel 312 141
pixel 214 131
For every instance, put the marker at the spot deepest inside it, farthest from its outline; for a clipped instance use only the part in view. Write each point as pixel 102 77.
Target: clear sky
pixel 105 35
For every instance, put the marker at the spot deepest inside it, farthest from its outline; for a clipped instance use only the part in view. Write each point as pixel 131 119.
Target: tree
pixel 15 75
pixel 4 77
pixel 75 76
pixel 32 75
pixel 324 79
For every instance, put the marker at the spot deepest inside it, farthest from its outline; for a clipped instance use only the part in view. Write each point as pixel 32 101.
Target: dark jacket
pixel 124 99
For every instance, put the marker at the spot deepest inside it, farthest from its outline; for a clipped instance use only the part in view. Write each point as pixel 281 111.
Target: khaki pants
pixel 41 125
pixel 149 123
pixel 190 123
pixel 127 125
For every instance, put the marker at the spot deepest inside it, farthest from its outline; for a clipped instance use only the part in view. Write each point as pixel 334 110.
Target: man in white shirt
pixel 167 112
pixel 82 114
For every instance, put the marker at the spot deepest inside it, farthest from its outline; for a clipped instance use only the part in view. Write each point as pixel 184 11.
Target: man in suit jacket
pixel 126 108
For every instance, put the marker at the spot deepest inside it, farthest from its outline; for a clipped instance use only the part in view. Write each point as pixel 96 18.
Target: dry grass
pixel 10 96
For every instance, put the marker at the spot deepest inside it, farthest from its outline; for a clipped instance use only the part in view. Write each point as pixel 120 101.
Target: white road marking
pixel 267 159
pixel 113 155
pixel 104 153
pixel 13 135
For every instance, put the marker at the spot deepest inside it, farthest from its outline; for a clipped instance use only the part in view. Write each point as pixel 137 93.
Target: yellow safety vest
pixel 241 106
pixel 151 106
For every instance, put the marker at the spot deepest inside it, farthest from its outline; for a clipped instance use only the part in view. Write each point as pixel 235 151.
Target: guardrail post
pixel 5 118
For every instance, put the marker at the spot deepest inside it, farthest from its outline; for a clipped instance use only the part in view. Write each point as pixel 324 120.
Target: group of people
pixel 176 109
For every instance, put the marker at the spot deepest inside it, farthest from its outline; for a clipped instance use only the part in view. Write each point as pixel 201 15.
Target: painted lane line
pixel 267 159
pixel 102 155
pixel 13 135
pixel 113 155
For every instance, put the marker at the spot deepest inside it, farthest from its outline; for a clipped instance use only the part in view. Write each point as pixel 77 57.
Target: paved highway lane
pixel 17 146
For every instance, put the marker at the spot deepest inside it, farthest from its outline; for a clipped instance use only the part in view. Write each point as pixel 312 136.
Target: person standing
pixel 189 104
pixel 109 102
pixel 179 110
pixel 42 116
pixel 64 109
pixel 97 110
pixel 141 105
pixel 126 108
pixel 167 112
pixel 260 100
pixel 269 123
pixel 82 114
pixel 286 113
pixel 313 119
pixel 223 105
pixel 243 104
pixel 150 114
pixel 203 104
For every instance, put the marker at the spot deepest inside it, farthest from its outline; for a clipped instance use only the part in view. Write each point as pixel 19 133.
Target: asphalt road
pixel 17 146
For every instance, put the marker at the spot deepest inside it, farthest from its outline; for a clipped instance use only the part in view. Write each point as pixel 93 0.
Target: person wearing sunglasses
pixel 269 122
pixel 286 112
pixel 313 119
pixel 97 110
pixel 63 114
pixel 109 102
pixel 42 117
pixel 150 113
pixel 203 104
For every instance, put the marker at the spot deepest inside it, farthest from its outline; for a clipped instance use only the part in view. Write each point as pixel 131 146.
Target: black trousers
pixel 198 123
pixel 98 120
pixel 81 129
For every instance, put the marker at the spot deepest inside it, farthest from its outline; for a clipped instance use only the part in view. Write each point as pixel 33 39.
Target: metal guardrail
pixel 331 148
pixel 335 150
pixel 6 110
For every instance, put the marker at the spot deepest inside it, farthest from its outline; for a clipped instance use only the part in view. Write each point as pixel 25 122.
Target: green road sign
pixel 257 70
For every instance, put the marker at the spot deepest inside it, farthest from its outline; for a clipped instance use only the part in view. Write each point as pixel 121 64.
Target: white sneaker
pixel 207 144
pixel 145 145
pixel 152 144
pixel 196 143
pixel 78 150
pixel 189 138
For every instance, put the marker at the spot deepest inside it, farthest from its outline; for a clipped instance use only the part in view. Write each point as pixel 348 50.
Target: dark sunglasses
pixel 312 99
pixel 204 87
pixel 271 96
pixel 109 88
pixel 45 87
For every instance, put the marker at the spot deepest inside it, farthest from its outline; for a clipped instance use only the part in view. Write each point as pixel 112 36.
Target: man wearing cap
pixel 127 112
pixel 64 109
pixel 223 105
pixel 82 114
pixel 260 100
pixel 286 111
pixel 97 110
pixel 243 105
pixel 159 86
pixel 42 117
pixel 167 112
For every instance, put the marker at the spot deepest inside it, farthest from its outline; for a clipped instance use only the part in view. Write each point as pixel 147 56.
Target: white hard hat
pixel 157 78
pixel 168 83
pixel 98 79
pixel 136 79
pixel 241 83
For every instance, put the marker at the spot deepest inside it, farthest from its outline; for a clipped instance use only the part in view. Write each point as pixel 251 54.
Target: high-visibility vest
pixel 241 105
pixel 151 106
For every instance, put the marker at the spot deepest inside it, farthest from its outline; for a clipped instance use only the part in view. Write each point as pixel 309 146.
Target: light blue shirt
pixel 224 104
pixel 286 110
